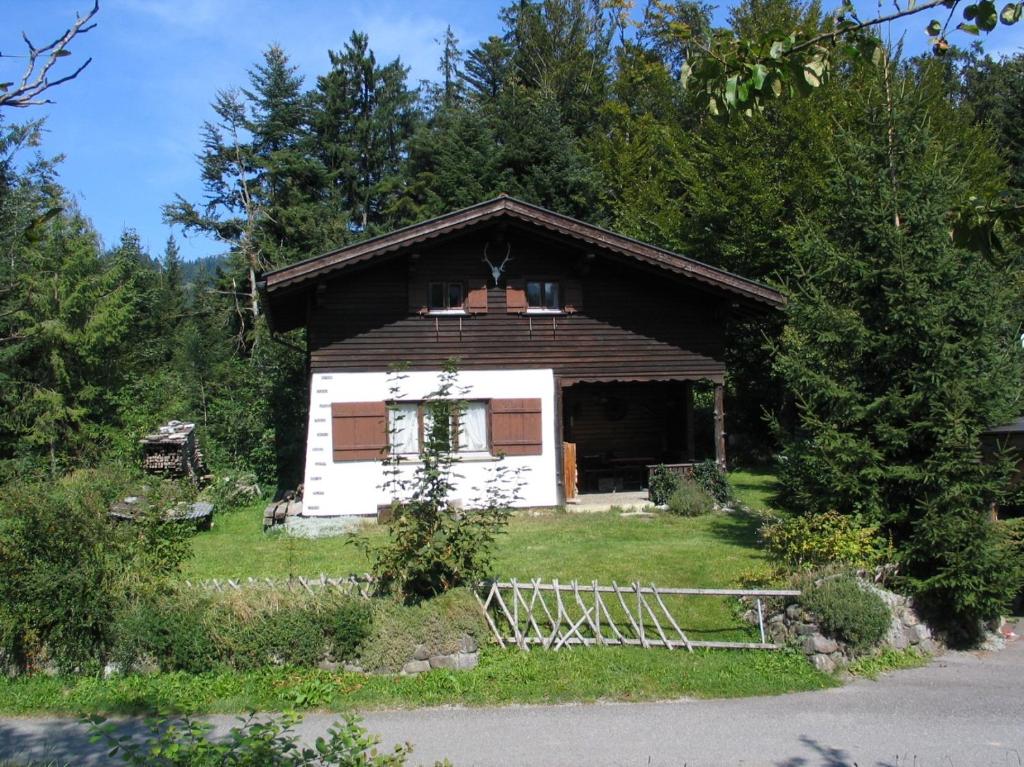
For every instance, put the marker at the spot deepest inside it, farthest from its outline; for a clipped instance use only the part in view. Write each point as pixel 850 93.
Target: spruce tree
pixel 901 348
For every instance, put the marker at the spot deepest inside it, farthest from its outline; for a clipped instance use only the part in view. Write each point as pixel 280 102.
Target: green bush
pixel 187 630
pixel 171 629
pixel 294 635
pixel 661 484
pixel 690 500
pixel 810 542
pixel 438 623
pixel 709 476
pixel 847 611
pixel 66 568
pixel 961 569
pixel 347 623
pixel 431 545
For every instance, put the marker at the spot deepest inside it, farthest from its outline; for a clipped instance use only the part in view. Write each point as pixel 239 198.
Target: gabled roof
pixel 510 208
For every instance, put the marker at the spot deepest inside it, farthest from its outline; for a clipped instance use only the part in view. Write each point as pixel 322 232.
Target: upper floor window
pixel 543 295
pixel 446 296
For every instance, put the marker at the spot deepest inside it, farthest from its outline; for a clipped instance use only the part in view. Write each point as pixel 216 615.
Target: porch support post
pixel 691 450
pixel 720 425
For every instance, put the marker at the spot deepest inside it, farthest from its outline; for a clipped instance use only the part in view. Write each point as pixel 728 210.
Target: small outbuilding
pixel 581 353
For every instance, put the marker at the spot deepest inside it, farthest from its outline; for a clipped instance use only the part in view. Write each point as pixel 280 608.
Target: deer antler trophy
pixel 497 271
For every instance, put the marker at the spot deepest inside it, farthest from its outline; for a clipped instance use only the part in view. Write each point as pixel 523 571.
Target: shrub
pixel 810 542
pixel 690 500
pixel 709 475
pixel 962 571
pixel 187 630
pixel 170 628
pixel 294 635
pixel 847 611
pixel 431 545
pixel 438 623
pixel 256 743
pixel 661 484
pixel 347 623
pixel 66 568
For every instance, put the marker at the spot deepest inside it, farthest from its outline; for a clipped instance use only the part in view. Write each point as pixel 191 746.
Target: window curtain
pixel 474 428
pixel 403 425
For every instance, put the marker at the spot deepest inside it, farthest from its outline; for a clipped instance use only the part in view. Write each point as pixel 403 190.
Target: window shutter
pixel 573 299
pixel 515 296
pixel 419 284
pixel 359 430
pixel 516 427
pixel 476 297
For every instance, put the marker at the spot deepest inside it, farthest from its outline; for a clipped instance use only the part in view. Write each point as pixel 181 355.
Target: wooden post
pixel 688 407
pixel 560 488
pixel 720 425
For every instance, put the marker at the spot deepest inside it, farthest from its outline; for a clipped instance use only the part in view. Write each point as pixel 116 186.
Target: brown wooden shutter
pixel 516 427
pixel 573 300
pixel 419 285
pixel 476 296
pixel 359 430
pixel 515 296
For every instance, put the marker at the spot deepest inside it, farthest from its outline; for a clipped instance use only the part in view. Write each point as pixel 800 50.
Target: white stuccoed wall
pixel 353 488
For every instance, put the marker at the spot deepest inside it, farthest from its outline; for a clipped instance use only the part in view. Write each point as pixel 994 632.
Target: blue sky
pixel 129 125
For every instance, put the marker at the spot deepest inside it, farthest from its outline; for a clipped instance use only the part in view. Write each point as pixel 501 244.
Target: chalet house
pixel 579 352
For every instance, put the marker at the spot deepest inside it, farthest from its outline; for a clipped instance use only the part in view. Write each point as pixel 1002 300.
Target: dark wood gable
pixel 626 311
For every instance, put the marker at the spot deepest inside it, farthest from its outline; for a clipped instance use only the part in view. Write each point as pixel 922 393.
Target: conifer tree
pixel 901 348
pixel 365 117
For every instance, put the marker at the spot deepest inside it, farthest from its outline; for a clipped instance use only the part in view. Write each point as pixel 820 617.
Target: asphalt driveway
pixel 963 709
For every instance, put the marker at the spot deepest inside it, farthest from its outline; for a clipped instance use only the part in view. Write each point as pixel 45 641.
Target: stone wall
pixel 798 627
pixel 425 659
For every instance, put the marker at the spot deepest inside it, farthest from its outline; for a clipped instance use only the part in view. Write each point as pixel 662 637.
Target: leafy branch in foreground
pixel 735 74
pixel 259 743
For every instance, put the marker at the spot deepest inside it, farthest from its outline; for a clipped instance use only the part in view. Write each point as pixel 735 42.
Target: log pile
pixel 173 450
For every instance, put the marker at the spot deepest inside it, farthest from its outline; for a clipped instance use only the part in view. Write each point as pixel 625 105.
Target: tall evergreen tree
pixel 488 67
pixel 365 118
pixel 901 348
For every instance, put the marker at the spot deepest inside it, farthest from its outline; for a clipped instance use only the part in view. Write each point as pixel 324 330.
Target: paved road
pixel 962 710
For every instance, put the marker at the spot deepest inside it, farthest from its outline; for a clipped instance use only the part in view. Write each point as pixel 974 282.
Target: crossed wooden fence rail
pixel 554 615
pixel 349 585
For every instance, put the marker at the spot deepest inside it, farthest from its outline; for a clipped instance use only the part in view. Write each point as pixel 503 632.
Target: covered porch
pixel 613 432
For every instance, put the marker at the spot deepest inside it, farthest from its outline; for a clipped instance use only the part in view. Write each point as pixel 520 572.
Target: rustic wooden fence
pixel 350 585
pixel 555 615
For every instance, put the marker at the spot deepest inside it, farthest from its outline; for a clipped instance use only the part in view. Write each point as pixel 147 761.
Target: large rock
pixel 823 663
pixel 416 667
pixel 805 629
pixel 467 660
pixel 920 632
pixel 443 661
pixel 468 644
pixel 819 644
pixel 422 652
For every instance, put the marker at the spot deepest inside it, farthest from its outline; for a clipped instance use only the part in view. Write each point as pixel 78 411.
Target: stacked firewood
pixel 173 450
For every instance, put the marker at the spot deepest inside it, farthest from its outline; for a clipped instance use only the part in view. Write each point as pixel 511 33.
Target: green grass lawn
pixel 754 487
pixel 670 551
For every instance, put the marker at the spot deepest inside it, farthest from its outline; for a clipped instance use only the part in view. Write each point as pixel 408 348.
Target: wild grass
pixel 871 666
pixel 503 677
